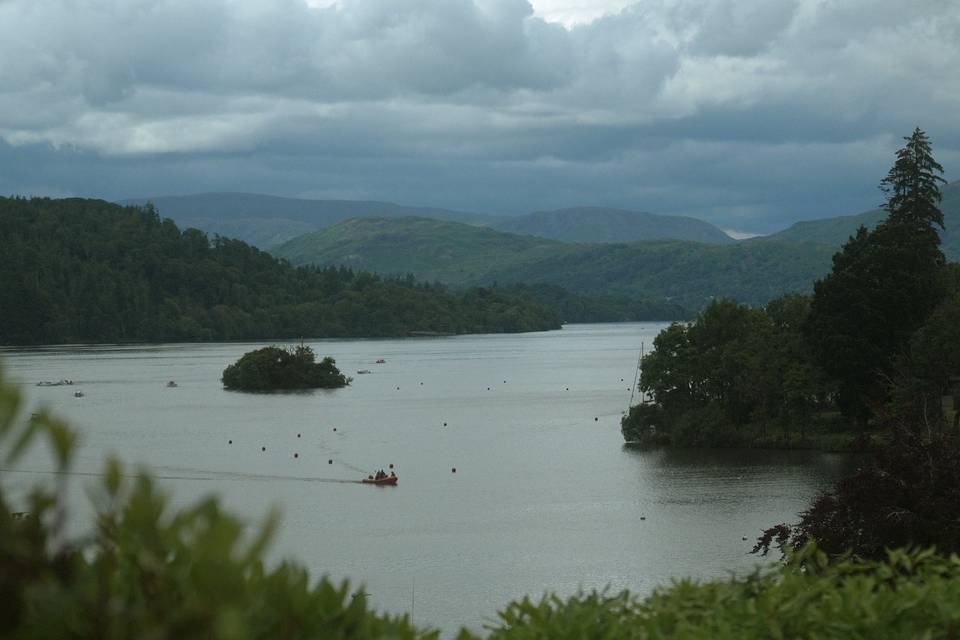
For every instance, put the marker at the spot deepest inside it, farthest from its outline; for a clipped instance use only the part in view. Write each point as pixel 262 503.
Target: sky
pixel 750 114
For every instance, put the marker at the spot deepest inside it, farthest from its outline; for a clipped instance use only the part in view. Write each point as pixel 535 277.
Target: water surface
pixel 545 495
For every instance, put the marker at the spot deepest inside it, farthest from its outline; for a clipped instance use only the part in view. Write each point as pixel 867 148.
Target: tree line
pixel 80 270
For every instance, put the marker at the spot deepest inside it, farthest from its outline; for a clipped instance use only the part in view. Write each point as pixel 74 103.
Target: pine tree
pixel 884 284
pixel 913 186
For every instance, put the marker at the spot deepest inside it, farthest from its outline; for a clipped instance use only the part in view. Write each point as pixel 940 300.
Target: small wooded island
pixel 277 369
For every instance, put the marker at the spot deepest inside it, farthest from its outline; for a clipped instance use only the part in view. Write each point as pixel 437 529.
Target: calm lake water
pixel 545 495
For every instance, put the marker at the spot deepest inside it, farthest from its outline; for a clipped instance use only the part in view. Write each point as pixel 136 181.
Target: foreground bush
pixel 276 369
pixel 148 571
pixel 908 595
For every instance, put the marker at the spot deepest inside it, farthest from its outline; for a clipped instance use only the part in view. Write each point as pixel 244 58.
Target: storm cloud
pixel 749 113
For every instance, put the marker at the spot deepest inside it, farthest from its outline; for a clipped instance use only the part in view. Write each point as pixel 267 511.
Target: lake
pixel 545 494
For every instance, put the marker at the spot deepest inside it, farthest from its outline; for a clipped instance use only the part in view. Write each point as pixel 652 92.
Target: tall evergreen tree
pixel 913 185
pixel 884 283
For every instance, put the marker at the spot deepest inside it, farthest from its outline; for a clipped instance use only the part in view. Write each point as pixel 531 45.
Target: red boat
pixel 389 480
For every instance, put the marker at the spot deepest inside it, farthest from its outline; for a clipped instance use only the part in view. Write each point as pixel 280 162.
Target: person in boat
pixel 393 475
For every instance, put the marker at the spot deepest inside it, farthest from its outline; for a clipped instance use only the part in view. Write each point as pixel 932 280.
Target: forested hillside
pixel 835 231
pixel 685 273
pixel 598 224
pixel 77 270
pixel 430 249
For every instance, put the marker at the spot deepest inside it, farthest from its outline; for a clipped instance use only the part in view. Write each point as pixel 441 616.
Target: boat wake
pixel 204 476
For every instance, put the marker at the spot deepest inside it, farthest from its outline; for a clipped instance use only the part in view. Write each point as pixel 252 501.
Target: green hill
pixel 684 273
pixel 76 270
pixel 835 231
pixel 595 224
pixel 431 250
pixel 267 221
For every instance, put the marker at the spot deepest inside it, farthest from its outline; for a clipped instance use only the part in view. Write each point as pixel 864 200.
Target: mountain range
pixel 594 251
pixel 268 221
pixel 686 273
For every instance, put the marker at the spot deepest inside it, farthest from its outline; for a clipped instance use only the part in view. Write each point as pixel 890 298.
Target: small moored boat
pixel 362 371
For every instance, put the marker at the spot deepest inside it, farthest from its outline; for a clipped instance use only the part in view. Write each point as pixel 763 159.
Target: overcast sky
pixel 751 114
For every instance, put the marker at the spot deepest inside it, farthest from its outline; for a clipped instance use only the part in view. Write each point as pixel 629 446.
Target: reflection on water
pixel 545 495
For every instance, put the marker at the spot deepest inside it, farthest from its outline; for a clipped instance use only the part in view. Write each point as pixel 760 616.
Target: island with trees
pixel 279 369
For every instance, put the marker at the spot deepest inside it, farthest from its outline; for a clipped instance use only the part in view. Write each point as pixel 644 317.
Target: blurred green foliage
pixel 910 594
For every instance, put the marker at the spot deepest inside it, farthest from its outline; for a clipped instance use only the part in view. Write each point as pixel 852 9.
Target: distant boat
pixel 389 480
pixel 62 383
pixel 362 371
pixel 171 385
pixel 381 361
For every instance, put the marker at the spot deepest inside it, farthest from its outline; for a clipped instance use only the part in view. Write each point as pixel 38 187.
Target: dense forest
pixel 575 307
pixel 77 270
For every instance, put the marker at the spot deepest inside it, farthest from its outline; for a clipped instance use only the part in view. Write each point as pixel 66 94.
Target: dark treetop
pixel 276 369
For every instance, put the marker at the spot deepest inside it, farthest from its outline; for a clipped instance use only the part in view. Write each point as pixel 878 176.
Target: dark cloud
pixel 748 113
